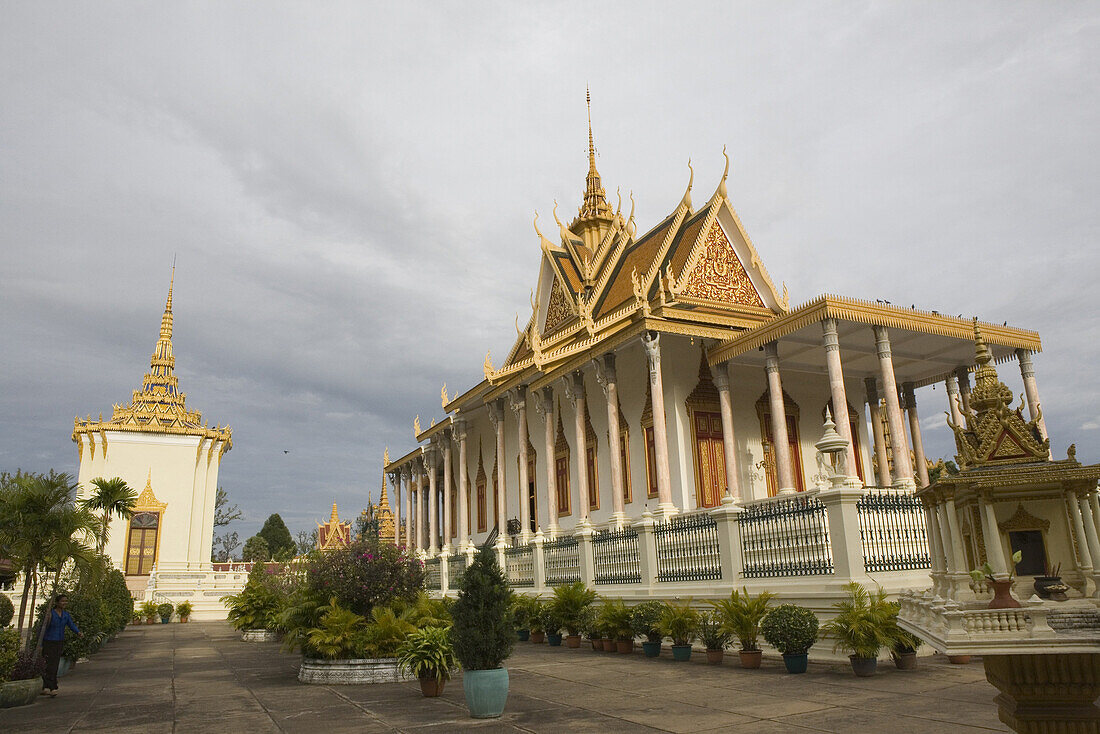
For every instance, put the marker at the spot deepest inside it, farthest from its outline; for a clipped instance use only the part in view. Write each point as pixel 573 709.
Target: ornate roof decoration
pixel 334 533
pixel 1023 520
pixel 387 532
pixel 705 392
pixel 719 274
pixel 159 406
pixel 993 433
pixel 147 501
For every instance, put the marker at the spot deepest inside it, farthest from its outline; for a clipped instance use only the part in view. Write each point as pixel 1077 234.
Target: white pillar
pixel 395 482
pixel 935 539
pixel 1083 550
pixel 994 551
pixel 518 402
pixel 943 524
pixel 782 447
pixel 431 464
pixel 459 427
pixel 720 375
pixel 496 416
pixel 1031 389
pixel 606 376
pixel 1089 521
pixel 574 390
pixel 954 402
pixel 406 474
pixel 903 468
pixel 448 490
pixel 651 340
pixel 914 431
pixel 838 392
pixel 883 471
pixel 421 508
pixel 544 404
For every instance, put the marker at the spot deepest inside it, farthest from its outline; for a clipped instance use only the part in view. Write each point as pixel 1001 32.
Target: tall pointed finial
pixel 686 201
pixel 595 200
pixel 725 174
pixel 591 143
pixel 335 516
pixel 982 355
pixel 162 361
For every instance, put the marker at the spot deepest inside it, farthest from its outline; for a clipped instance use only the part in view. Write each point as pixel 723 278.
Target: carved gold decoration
pixel 558 309
pixel 386 453
pixel 334 533
pixel 443 396
pixel 416 426
pixel 488 365
pixel 719 274
pixel 1023 520
pixel 147 501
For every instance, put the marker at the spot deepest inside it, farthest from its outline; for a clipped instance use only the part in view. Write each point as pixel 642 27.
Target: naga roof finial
pixel 721 191
pixel 686 201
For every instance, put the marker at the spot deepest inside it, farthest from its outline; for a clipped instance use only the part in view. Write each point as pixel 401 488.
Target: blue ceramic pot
pixel 682 653
pixel 651 649
pixel 796 663
pixel 553 640
pixel 523 635
pixel 486 692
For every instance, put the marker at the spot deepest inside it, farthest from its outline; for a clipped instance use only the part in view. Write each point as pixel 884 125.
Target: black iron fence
pixel 892 531
pixel 615 557
pixel 456 566
pixel 519 562
pixel 785 537
pixel 687 548
pixel 563 561
pixel 431 574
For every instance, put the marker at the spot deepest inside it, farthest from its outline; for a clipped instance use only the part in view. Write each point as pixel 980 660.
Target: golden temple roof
pixel 159 406
pixel 334 533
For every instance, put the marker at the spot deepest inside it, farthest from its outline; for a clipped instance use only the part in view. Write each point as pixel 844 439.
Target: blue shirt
pixel 55 628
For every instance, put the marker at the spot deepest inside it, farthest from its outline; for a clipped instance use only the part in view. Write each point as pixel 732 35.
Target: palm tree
pixel 112 497
pixel 67 523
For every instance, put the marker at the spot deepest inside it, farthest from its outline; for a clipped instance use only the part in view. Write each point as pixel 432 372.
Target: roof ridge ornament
pixel 686 201
pixel 721 192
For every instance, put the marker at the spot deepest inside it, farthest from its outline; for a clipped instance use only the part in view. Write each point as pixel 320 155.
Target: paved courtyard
pixel 200 677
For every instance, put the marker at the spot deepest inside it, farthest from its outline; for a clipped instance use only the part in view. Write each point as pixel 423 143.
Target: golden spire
pixel 162 361
pixel 595 200
pixel 335 515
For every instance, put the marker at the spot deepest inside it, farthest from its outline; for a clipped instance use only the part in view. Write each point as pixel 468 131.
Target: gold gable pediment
pixel 719 274
pixel 147 501
pixel 1023 520
pixel 558 310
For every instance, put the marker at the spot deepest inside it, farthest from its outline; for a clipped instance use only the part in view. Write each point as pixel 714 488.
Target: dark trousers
pixel 52 650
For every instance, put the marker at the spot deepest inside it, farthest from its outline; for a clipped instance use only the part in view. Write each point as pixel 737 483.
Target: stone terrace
pixel 200 677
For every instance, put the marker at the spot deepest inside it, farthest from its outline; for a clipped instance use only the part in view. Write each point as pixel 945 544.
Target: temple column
pixel 935 546
pixel 651 340
pixel 883 469
pixel 496 417
pixel 994 550
pixel 1084 556
pixel 721 377
pixel 1091 536
pixel 431 461
pixel 953 538
pixel 903 468
pixel 574 391
pixel 421 508
pixel 406 475
pixel 963 376
pixel 914 432
pixel 395 482
pixel 518 403
pixel 953 399
pixel 459 428
pixel 781 442
pixel 448 489
pixel 544 404
pixel 839 394
pixel 1031 389
pixel 606 376
pixel 943 526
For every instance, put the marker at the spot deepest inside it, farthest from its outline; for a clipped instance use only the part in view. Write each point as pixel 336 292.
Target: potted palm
pixel 792 630
pixel 645 621
pixel 519 609
pixel 741 616
pixel 862 626
pixel 135 617
pixel 713 635
pixel 183 609
pixel 551 624
pixel 571 604
pixel 592 632
pixel 429 655
pixel 483 635
pixel 149 611
pixel 534 621
pixel 905 644
pixel 680 622
pixel 605 621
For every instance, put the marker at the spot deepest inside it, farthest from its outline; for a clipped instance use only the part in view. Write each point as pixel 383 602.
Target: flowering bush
pixel 27 666
pixel 365 574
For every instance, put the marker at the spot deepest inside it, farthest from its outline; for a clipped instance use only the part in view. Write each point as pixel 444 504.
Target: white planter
pixel 260 636
pixel 350 672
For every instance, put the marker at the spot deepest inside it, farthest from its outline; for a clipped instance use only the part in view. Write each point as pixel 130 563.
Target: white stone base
pixel 351 672
pixel 260 636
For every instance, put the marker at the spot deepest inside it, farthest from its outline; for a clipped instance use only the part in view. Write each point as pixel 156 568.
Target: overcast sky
pixel 348 190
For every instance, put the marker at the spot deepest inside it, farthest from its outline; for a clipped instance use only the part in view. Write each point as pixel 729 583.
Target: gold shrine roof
pixel 334 533
pixel 159 406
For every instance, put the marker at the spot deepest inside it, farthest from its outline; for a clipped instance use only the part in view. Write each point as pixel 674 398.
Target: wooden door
pixel 561 471
pixel 650 463
pixel 481 507
pixel 710 463
pixel 142 544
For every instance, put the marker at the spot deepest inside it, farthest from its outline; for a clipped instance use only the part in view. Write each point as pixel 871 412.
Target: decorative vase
pixel 681 653
pixel 651 649
pixel 19 692
pixel 1050 587
pixel 486 692
pixel 554 638
pixel 624 646
pixel 597 644
pixel 573 641
pixel 796 663
pixel 431 687
pixel 1002 595
pixel 714 657
pixel 523 635
pixel 958 659
pixel 750 658
pixel 905 660
pixel 863 667
pixel 538 637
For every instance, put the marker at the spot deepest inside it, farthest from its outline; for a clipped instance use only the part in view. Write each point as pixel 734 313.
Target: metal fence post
pixel 843 517
pixel 729 539
pixel 584 551
pixel 538 562
pixel 647 550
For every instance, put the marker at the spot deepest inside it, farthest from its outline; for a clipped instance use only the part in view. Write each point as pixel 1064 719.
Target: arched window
pixel 141 545
pixel 624 454
pixel 481 484
pixel 763 410
pixel 591 457
pixel 561 467
pixel 854 419
pixel 650 445
pixel 707 448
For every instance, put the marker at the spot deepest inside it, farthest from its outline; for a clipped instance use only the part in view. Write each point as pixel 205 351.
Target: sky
pixel 348 188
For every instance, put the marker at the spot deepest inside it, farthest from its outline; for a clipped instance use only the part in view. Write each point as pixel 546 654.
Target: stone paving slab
pixel 200 677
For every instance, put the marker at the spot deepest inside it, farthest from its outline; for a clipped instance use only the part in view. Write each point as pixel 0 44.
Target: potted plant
pixel 135 617
pixel 164 611
pixel 645 621
pixel 520 608
pixel 551 625
pixel 792 630
pixel 429 655
pixel 572 604
pixel 714 636
pixel 618 620
pixel 534 621
pixel 183 609
pixel 483 635
pixel 24 682
pixel 904 646
pixel 605 622
pixel 1049 585
pixel 741 616
pixel 863 625
pixel 680 622
pixel 593 633
pixel 149 611
pixel 1002 588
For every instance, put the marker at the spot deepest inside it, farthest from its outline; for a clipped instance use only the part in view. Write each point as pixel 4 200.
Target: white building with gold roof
pixel 167 452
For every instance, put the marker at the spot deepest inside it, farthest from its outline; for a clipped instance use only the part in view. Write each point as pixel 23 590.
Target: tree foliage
pixel 256 549
pixel 112 498
pixel 224 513
pixel 483 632
pixel 279 540
pixel 366 573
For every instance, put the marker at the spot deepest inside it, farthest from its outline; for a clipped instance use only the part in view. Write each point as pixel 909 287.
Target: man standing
pixel 54 640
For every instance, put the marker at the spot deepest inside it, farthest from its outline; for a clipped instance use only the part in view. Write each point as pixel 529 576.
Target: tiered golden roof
pixel 334 533
pixel 159 406
pixel 387 531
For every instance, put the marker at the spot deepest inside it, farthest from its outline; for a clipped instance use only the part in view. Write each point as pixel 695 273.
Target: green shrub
pixel 148 609
pixel 483 635
pixel 366 573
pixel 614 619
pixel 428 653
pixel 257 606
pixel 680 622
pixel 645 619
pixel 571 604
pixel 184 609
pixel 7 611
pixel 120 603
pixel 863 622
pixel 339 635
pixel 549 619
pixel 534 613
pixel 9 649
pixel 712 633
pixel 165 610
pixel 742 614
pixel 93 617
pixel 385 633
pixel 790 629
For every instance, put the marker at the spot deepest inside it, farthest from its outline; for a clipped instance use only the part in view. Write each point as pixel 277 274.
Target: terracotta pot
pixel 958 659
pixel 431 687
pixel 573 641
pixel 750 658
pixel 538 637
pixel 609 645
pixel 624 646
pixel 185 620
pixel 1002 595
pixel 597 645
pixel 714 657
pixel 905 660
pixel 150 620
